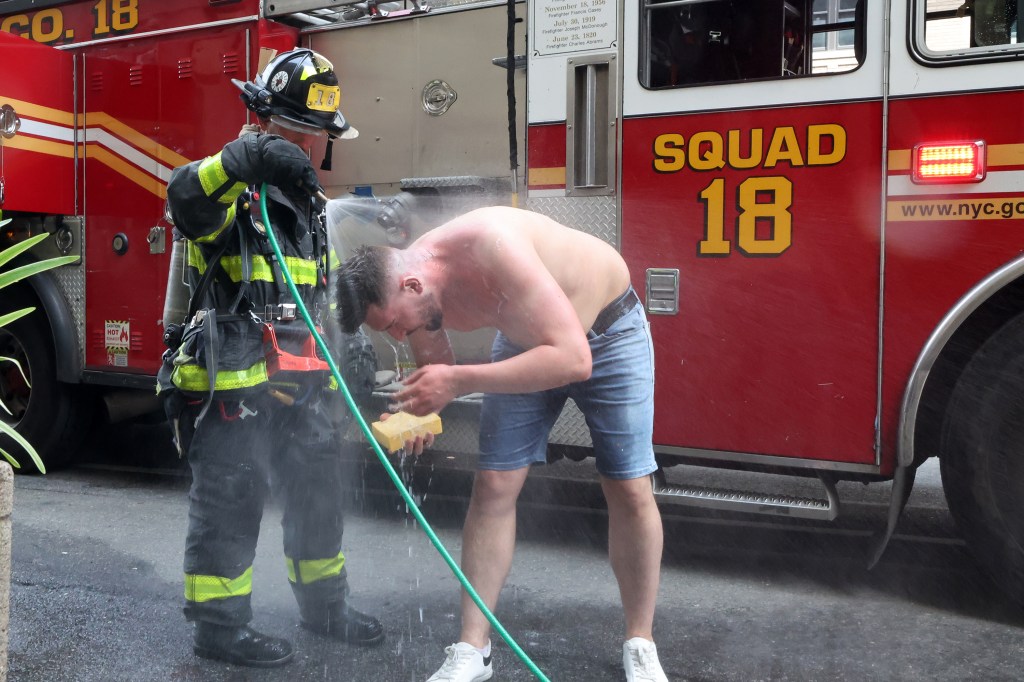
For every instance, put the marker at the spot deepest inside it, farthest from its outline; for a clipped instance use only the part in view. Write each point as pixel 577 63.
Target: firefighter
pixel 249 401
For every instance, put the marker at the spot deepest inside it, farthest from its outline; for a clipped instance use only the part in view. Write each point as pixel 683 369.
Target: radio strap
pixel 245 254
pixel 212 265
pixel 210 334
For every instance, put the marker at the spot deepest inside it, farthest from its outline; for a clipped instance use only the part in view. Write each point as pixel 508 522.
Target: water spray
pixel 392 474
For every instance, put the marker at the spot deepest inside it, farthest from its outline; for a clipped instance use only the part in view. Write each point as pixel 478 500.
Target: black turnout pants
pixel 236 462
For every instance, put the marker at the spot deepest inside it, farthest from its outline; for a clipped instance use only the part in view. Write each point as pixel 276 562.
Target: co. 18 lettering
pixel 48 26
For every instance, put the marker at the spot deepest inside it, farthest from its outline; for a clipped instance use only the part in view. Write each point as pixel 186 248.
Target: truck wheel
pixel 982 456
pixel 49 414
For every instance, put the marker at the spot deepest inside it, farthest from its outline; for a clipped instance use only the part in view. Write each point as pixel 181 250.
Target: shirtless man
pixel 569 325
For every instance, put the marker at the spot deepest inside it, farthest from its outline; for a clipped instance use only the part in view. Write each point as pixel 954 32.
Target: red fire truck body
pixel 820 202
pixel 54 109
pixel 747 358
pixel 125 108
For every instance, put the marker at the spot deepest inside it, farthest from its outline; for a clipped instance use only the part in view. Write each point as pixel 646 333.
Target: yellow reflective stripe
pixel 195 257
pixel 232 193
pixel 303 271
pixel 212 175
pixel 228 219
pixel 202 588
pixel 311 570
pixel 195 378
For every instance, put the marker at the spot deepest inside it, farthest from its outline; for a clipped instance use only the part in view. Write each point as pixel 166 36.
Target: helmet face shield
pixel 347 131
pixel 297 126
pixel 299 90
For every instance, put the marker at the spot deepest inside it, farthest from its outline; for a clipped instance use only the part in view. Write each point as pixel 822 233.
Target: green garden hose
pixel 410 503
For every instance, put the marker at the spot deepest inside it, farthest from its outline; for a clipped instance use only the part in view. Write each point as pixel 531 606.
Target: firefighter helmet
pixel 300 89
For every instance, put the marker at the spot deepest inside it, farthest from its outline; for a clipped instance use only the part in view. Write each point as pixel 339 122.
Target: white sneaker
pixel 640 659
pixel 464 663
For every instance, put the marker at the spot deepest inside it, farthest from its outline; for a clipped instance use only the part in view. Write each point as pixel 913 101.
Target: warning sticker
pixel 117 357
pixel 116 334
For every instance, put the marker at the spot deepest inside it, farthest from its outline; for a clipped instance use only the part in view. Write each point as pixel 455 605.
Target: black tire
pixel 51 415
pixel 982 456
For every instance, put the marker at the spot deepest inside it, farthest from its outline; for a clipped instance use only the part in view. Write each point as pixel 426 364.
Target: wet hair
pixel 361 283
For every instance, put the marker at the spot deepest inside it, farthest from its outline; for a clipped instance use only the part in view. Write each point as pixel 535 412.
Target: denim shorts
pixel 617 401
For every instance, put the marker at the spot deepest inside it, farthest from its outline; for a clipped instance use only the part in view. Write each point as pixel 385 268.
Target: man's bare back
pixel 541 284
pixel 496 262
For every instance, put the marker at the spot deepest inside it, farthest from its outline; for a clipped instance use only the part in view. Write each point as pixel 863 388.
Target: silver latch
pixel 662 291
pixel 156 239
pixel 10 122
pixel 282 312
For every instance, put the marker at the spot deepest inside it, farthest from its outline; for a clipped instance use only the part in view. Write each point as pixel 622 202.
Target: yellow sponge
pixel 402 426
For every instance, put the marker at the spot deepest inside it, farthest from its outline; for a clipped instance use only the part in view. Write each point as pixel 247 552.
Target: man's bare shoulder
pixel 491 218
pixel 483 228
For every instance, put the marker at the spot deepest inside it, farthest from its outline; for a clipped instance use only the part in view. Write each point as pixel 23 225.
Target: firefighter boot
pixel 240 645
pixel 340 621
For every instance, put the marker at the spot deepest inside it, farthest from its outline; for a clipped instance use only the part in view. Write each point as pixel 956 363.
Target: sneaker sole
pixel 486 676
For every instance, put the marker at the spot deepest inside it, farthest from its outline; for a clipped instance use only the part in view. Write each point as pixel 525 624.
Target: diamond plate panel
pixel 571 428
pixel 71 280
pixel 594 215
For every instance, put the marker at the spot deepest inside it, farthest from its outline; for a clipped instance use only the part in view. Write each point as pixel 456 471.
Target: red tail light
pixel 954 162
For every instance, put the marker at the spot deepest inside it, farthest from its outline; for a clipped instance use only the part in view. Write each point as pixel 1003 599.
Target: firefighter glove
pixel 269 158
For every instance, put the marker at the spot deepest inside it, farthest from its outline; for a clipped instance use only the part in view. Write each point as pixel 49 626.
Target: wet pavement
pixel 97 585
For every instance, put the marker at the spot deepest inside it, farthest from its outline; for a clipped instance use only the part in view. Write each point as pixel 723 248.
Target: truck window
pixel 702 42
pixel 952 27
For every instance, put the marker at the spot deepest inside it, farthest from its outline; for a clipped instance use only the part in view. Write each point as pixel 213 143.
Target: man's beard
pixel 434 315
pixel 435 320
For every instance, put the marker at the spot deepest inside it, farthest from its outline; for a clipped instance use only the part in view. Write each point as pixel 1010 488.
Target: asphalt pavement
pixel 97 589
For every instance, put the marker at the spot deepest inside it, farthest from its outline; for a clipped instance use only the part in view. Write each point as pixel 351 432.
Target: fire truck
pixel 821 203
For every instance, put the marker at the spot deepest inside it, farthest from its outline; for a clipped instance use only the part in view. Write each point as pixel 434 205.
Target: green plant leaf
pixel 21 247
pixel 11 317
pixel 7 278
pixel 20 440
pixel 24 378
pixel 18 365
pixel 12 276
pixel 14 462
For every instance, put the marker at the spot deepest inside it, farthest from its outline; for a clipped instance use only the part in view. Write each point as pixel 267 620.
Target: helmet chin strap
pixel 325 165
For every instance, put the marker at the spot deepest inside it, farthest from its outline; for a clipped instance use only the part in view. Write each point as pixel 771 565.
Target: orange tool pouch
pixel 285 366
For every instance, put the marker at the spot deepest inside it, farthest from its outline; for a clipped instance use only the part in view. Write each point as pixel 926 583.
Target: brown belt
pixel 614 310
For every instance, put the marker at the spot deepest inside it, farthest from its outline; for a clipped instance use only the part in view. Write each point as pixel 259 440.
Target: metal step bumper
pixel 750 501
